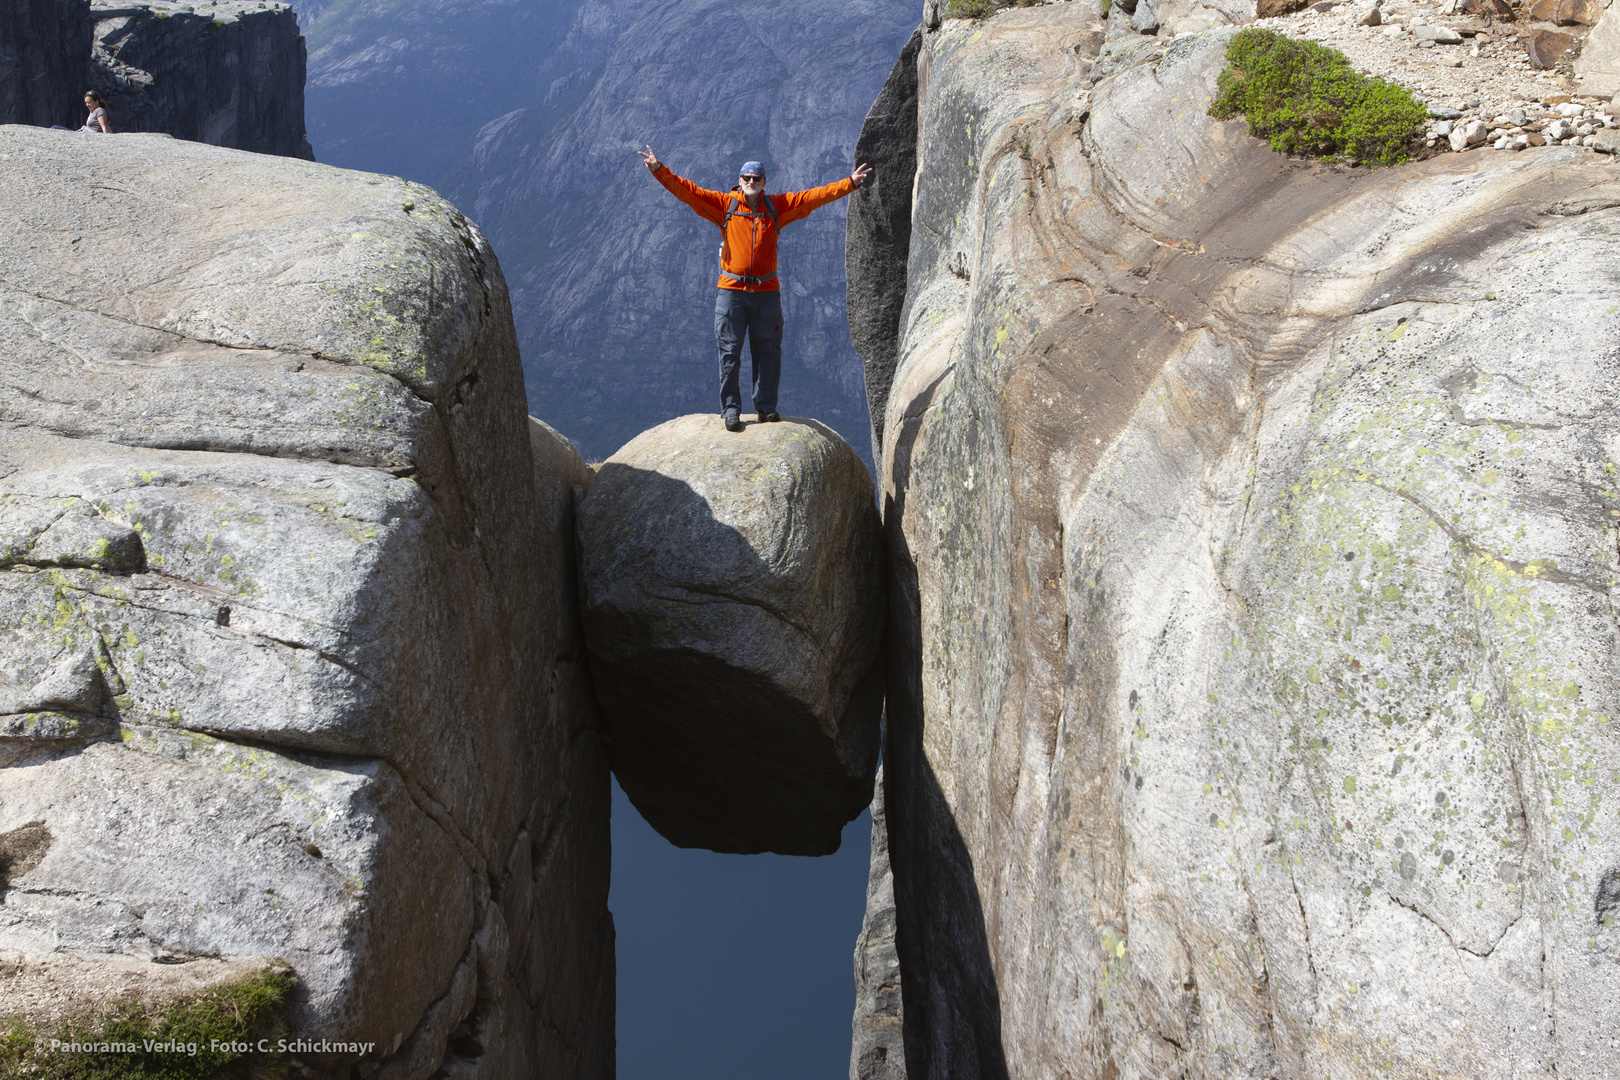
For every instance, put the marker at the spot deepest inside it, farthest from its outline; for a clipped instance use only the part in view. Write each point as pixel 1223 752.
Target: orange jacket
pixel 748 248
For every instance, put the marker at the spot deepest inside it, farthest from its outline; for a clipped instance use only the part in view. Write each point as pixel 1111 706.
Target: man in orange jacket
pixel 750 300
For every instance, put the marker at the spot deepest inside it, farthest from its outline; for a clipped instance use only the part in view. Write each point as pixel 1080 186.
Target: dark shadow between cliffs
pixel 951 1003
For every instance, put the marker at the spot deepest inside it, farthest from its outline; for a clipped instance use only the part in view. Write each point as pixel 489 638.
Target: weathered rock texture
pixel 1252 542
pixel 733 609
pixel 289 661
pixel 1599 62
pixel 1188 16
pixel 228 73
pixel 44 54
pixel 877 1047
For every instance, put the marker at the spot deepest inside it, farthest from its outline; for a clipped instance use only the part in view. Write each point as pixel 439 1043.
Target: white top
pixel 90 124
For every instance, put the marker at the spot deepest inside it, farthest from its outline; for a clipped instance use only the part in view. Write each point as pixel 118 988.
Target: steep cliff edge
pixel 1251 553
pixel 227 73
pixel 290 665
pixel 44 53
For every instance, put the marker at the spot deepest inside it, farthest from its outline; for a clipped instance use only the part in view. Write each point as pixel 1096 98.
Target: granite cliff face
pixel 1252 549
pixel 227 73
pixel 44 53
pixel 290 664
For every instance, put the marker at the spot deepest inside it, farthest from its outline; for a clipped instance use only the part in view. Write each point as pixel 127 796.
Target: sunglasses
pixel 752 179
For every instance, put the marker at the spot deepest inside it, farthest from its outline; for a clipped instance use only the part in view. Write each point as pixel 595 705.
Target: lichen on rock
pixel 289 655
pixel 1251 667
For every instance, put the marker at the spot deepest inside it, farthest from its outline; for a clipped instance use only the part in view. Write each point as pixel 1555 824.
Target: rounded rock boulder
pixel 733 605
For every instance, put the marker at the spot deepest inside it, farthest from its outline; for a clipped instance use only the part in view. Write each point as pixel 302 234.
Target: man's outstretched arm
pixel 707 204
pixel 797 204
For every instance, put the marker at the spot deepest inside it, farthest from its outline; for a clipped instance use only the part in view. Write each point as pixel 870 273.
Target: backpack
pixel 732 210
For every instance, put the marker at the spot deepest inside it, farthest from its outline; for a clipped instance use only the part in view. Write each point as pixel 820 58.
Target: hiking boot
pixel 733 420
pixel 768 418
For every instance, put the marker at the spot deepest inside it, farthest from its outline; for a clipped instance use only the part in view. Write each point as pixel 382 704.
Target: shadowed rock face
pixel 878 235
pixel 229 73
pixel 44 56
pixel 289 659
pixel 1251 546
pixel 733 608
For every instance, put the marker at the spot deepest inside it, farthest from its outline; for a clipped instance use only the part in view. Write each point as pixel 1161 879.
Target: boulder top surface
pixel 245 251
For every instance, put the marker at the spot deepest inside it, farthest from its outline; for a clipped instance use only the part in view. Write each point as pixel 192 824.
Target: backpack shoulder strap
pixel 733 209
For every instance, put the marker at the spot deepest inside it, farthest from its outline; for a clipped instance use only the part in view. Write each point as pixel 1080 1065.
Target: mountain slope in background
pixel 401 86
pixel 613 279
pixel 527 116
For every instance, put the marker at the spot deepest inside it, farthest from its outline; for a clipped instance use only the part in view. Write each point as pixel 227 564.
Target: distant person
pixel 99 121
pixel 750 299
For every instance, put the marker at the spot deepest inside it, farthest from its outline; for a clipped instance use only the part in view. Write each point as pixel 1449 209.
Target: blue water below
pixel 734 967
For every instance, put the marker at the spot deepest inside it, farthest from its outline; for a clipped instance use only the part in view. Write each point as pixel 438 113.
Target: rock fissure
pixel 775 610
pixel 330 657
pixel 231 346
pixel 1426 917
pixel 1532 569
pixel 347 460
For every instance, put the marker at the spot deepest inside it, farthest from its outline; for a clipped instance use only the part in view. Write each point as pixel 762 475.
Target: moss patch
pixel 979 9
pixel 1305 98
pixel 212 1035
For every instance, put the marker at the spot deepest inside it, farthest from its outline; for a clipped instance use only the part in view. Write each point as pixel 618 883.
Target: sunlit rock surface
pixel 289 657
pixel 1252 540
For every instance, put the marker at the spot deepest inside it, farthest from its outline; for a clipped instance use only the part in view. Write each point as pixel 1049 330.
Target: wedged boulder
pixel 733 609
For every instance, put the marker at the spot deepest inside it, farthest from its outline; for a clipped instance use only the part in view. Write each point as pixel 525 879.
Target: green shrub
pixel 979 9
pixel 1305 98
pixel 242 1010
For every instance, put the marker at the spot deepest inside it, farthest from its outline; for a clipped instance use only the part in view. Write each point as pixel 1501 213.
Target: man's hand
pixel 858 176
pixel 653 164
